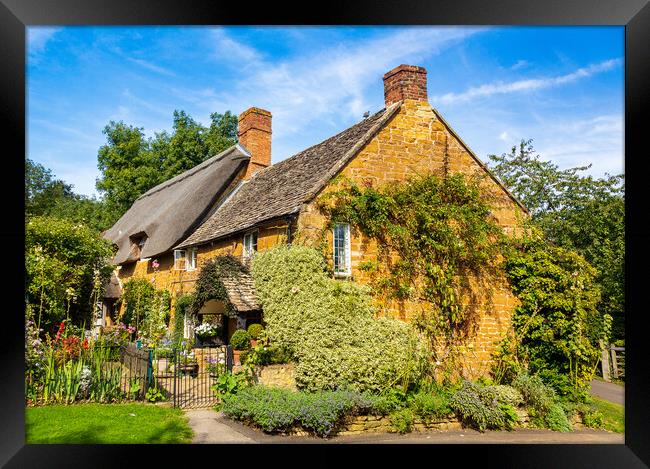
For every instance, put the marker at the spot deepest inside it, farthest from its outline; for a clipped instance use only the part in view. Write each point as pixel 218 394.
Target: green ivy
pixel 209 284
pixel 442 231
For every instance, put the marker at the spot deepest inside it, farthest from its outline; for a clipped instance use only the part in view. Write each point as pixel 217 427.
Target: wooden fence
pixel 613 363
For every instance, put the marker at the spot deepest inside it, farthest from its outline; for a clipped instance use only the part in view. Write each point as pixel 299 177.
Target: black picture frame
pixel 16 15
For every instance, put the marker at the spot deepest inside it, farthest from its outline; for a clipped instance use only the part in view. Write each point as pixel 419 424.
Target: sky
pixel 563 87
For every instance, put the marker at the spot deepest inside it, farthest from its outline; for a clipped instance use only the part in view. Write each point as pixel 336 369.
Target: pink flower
pixel 155 264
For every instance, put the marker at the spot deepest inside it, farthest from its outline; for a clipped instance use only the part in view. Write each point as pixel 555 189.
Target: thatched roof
pixel 112 287
pixel 282 188
pixel 170 211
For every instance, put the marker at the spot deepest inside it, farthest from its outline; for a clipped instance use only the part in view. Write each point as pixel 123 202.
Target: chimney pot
pixel 254 132
pixel 405 82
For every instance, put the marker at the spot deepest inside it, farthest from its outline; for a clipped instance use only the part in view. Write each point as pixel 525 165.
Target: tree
pixel 131 164
pixel 127 166
pixel 577 212
pixel 66 264
pixel 47 196
pixel 42 190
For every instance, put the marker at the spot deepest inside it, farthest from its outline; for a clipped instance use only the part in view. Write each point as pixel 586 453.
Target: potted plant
pixel 216 366
pixel 240 340
pixel 255 331
pixel 207 333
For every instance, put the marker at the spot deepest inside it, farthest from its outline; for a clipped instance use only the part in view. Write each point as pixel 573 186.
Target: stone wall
pixel 278 376
pixel 417 141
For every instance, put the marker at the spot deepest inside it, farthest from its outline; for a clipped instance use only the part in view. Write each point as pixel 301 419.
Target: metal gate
pixel 187 378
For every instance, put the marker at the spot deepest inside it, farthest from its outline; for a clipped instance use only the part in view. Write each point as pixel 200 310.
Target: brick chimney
pixel 255 135
pixel 405 82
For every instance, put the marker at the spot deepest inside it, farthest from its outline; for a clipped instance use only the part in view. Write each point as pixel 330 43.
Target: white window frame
pixel 247 251
pixel 347 270
pixel 190 259
pixel 180 254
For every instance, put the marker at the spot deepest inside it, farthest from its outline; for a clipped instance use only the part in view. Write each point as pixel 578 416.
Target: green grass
pixel 614 415
pixel 106 424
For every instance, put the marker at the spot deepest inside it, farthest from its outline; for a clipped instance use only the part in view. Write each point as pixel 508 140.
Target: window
pixel 185 259
pixel 191 259
pixel 342 250
pixel 250 244
pixel 179 259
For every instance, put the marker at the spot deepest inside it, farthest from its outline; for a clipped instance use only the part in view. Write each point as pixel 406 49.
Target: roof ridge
pixel 195 169
pixel 304 150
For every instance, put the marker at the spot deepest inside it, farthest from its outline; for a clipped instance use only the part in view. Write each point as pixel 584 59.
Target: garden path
pixel 208 429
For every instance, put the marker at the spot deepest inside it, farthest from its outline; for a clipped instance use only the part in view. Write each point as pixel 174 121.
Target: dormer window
pixel 137 245
pixel 250 244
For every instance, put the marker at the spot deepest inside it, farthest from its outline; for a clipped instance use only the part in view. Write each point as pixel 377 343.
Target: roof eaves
pixel 481 163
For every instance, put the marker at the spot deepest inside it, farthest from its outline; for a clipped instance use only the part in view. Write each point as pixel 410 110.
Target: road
pixel 609 391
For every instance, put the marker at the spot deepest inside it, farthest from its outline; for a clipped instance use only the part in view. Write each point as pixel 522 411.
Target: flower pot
pixel 235 357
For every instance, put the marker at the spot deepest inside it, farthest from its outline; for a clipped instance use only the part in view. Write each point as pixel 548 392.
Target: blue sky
pixel 561 86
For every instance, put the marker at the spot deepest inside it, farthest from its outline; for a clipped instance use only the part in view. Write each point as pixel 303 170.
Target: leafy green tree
pixel 47 196
pixel 42 189
pixel 66 264
pixel 577 212
pixel 131 164
pixel 127 165
pixel 557 324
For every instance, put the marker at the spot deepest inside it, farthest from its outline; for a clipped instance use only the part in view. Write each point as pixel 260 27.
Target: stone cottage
pixel 237 202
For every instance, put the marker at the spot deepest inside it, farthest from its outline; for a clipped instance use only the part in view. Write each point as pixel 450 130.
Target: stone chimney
pixel 405 82
pixel 255 135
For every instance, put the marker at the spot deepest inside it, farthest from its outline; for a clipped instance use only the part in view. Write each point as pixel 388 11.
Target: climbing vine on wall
pixel 432 233
pixel 209 283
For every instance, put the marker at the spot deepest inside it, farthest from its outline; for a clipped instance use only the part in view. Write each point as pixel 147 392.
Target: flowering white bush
pixel 206 330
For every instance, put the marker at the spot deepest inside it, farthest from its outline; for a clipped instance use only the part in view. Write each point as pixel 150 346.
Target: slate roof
pixel 170 211
pixel 282 188
pixel 241 292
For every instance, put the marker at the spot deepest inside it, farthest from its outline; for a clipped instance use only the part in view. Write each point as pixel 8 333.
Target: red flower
pixel 85 344
pixel 61 329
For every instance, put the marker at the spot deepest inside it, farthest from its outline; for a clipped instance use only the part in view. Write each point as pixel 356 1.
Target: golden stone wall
pixel 415 142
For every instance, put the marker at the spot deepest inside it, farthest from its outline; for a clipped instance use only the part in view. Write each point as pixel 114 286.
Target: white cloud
pixel 326 86
pixel 504 136
pixel 151 66
pixel 527 85
pixel 38 37
pixel 228 49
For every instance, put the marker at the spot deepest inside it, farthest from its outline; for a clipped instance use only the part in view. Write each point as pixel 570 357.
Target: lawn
pixel 106 424
pixel 614 415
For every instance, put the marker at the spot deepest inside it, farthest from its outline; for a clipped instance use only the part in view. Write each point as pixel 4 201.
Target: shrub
pixel 240 340
pixel 329 326
pixel 534 392
pixel 278 410
pixel 476 409
pixel 593 419
pixel 254 330
pixel 504 394
pixel 556 419
pixel 402 420
pixel 430 406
